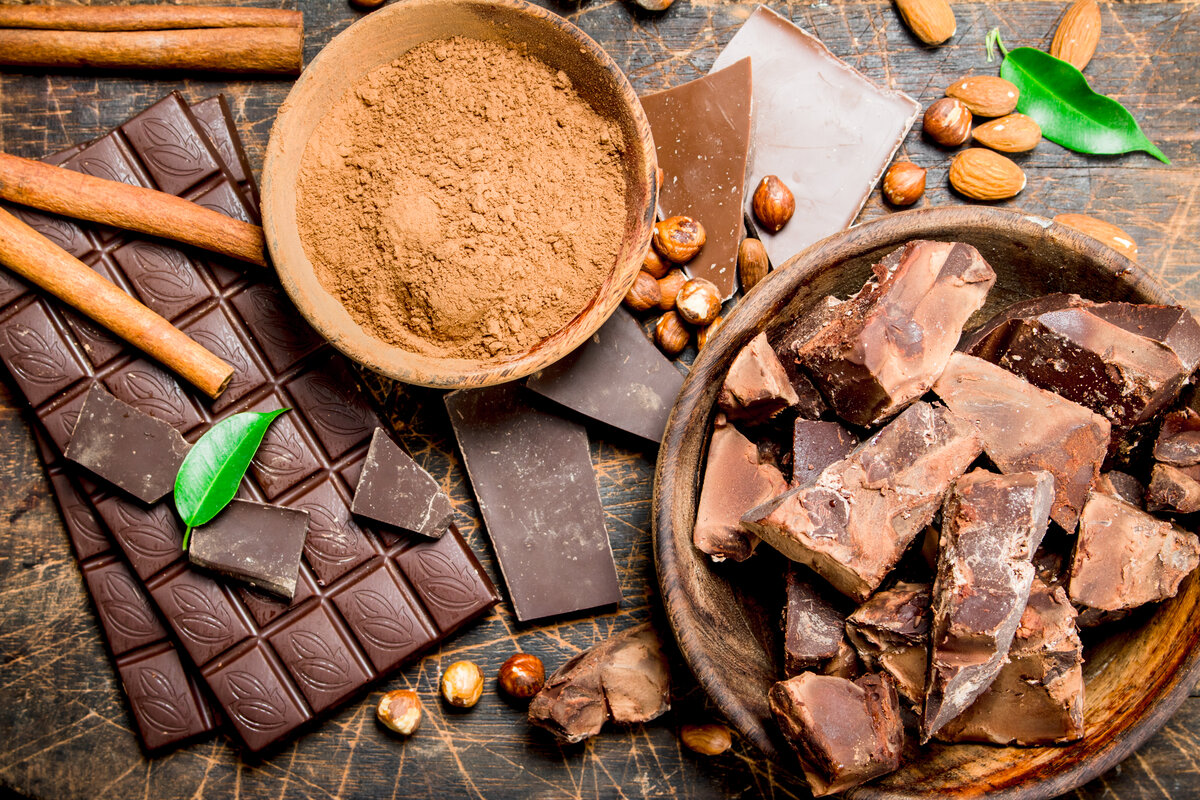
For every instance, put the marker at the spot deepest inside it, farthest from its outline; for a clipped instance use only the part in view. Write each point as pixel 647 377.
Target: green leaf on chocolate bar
pixel 1059 99
pixel 212 470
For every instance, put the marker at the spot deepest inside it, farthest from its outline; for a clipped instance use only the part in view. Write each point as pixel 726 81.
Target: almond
pixel 1103 231
pixel 1014 133
pixel 1078 34
pixel 931 20
pixel 985 95
pixel 983 175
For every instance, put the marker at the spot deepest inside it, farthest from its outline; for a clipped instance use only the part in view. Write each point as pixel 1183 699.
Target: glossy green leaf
pixel 1059 99
pixel 212 470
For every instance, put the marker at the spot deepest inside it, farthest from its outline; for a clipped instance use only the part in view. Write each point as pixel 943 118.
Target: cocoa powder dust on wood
pixel 462 201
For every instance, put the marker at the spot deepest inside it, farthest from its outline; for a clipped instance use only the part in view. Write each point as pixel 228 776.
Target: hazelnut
pixel 752 263
pixel 904 183
pixel 698 301
pixel 400 711
pixel 672 335
pixel 462 684
pixel 522 676
pixel 644 293
pixel 710 739
pixel 706 333
pixel 655 264
pixel 948 122
pixel 670 286
pixel 678 239
pixel 773 203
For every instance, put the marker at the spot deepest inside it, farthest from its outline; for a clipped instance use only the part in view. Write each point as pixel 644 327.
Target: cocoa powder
pixel 463 200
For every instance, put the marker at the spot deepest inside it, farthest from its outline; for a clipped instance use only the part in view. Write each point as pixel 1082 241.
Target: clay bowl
pixel 383 36
pixel 726 622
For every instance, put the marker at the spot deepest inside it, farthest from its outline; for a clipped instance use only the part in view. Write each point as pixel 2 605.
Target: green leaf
pixel 212 470
pixel 1059 99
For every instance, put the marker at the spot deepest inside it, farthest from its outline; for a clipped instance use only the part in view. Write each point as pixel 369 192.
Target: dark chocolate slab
pixel 394 490
pixel 255 543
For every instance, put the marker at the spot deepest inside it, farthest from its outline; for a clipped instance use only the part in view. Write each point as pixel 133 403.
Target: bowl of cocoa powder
pixel 459 192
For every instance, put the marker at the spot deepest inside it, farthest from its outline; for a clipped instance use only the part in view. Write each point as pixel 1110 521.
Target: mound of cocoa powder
pixel 463 200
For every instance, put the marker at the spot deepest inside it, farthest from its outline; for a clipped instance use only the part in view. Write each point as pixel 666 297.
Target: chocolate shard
pixel 395 490
pixel 256 543
pixel 1025 428
pixel 736 480
pixel 1037 699
pixel 1172 489
pixel 886 345
pixel 128 448
pixel 991 526
pixel 813 627
pixel 1122 486
pixel 1125 557
pixel 756 386
pixel 845 663
pixel 815 445
pixel 624 679
pixel 845 733
pixel 1178 442
pixel 852 524
pixel 1174 327
pixel 990 339
pixel 890 633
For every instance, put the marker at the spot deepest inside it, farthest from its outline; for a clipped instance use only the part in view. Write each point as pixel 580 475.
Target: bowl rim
pixel 453 373
pixel 856 241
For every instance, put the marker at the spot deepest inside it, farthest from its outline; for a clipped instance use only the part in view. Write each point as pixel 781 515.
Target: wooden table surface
pixel 64 729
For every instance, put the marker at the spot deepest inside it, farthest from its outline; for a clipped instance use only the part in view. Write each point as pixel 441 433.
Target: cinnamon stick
pixel 45 264
pixel 144 18
pixel 73 194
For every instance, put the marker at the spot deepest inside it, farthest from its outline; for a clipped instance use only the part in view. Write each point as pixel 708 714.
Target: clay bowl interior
pixel 385 35
pixel 726 616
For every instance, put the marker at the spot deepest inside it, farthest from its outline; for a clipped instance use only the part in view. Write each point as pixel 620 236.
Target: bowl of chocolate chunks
pixel 924 509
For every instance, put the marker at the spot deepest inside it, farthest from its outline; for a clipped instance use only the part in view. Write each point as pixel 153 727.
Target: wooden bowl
pixel 385 35
pixel 725 617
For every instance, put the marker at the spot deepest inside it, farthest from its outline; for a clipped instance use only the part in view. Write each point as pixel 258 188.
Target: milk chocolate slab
pixel 1172 488
pixel 756 386
pixel 815 445
pixel 991 526
pixel 617 377
pixel 885 346
pixel 1125 557
pixel 129 449
pixel 532 475
pixel 395 490
pixel 702 136
pixel 736 479
pixel 813 627
pixel 852 524
pixel 1178 442
pixel 848 128
pixel 1025 428
pixel 253 542
pixel 890 633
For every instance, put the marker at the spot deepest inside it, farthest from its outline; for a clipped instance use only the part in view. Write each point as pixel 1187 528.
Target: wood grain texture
pixel 64 729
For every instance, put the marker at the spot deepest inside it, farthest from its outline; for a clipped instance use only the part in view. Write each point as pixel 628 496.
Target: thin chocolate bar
pixel 253 542
pixel 890 632
pixel 532 475
pixel 395 490
pixel 815 445
pixel 756 386
pixel 813 627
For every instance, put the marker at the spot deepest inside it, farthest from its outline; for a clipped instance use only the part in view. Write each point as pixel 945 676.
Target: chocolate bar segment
pixel 756 386
pixel 813 627
pixel 891 635
pixel 395 490
pixel 255 543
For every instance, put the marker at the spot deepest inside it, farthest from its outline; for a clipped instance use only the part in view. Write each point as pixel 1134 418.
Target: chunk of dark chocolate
pixel 815 445
pixel 756 386
pixel 813 627
pixel 845 663
pixel 1025 428
pixel 1125 557
pixel 1122 486
pixel 890 632
pixel 886 345
pixel 255 543
pixel 128 448
pixel 1174 327
pixel 990 339
pixel 852 524
pixel 991 526
pixel 395 490
pixel 1172 488
pixel 1178 442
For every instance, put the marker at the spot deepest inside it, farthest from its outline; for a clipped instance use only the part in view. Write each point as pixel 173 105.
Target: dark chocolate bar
pixel 394 490
pixel 253 542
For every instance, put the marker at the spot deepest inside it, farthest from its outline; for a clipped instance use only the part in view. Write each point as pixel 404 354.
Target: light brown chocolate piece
pixel 813 627
pixel 1178 442
pixel 756 387
pixel 1172 489
pixel 890 632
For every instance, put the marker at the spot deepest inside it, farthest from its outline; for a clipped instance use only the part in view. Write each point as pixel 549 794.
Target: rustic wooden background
pixel 64 730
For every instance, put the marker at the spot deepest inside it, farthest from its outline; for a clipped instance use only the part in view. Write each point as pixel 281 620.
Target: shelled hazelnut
pixel 773 203
pixel 655 264
pixel 679 239
pixel 462 684
pixel 644 293
pixel 670 286
pixel 400 711
pixel 710 739
pixel 947 122
pixel 522 676
pixel 698 301
pixel 706 333
pixel 671 334
pixel 904 183
pixel 752 263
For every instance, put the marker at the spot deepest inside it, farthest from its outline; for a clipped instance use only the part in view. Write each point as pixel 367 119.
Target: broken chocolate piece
pixel 1178 442
pixel 845 663
pixel 885 346
pixel 991 526
pixel 735 481
pixel 990 339
pixel 813 627
pixel 623 679
pixel 891 635
pixel 395 490
pixel 815 445
pixel 1037 699
pixel 255 543
pixel 1025 428
pixel 1122 486
pixel 844 732
pixel 756 386
pixel 1125 557
pixel 1172 488
pixel 852 524
pixel 1172 326
pixel 126 447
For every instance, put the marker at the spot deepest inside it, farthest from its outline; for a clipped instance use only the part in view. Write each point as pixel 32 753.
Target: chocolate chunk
pixel 813 627
pixel 1037 699
pixel 1174 327
pixel 617 377
pixel 992 524
pixel 1178 442
pixel 1125 557
pixel 1172 488
pixel 756 386
pixel 1025 428
pixel 844 732
pixel 532 475
pixel 395 490
pixel 890 632
pixel 1122 486
pixel 127 448
pixel 702 135
pixel 990 339
pixel 885 346
pixel 845 663
pixel 255 543
pixel 735 481
pixel 852 524
pixel 815 445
